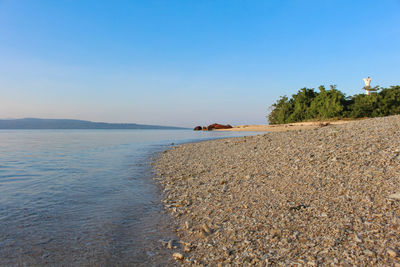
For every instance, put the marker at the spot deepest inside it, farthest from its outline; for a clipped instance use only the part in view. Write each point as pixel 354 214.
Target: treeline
pixel 308 104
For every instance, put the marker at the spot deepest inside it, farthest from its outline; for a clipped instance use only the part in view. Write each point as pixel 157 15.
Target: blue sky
pixel 186 63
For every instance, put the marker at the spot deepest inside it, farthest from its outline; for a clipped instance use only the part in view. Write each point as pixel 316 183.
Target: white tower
pixel 367 86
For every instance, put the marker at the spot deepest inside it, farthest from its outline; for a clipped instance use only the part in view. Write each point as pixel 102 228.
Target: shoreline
pixel 286 127
pixel 319 196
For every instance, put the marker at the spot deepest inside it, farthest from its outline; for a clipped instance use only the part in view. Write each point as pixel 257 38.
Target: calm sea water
pixel 84 197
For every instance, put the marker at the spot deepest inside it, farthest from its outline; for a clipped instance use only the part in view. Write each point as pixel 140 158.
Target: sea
pixel 86 197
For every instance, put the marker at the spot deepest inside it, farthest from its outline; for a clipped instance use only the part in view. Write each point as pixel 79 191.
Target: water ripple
pixel 83 197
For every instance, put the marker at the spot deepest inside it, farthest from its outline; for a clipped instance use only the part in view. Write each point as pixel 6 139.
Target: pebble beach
pixel 325 196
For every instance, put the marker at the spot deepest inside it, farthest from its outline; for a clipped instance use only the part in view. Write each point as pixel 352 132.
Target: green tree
pixel 328 104
pixel 308 104
pixel 390 101
pixel 364 106
pixel 281 111
pixel 301 105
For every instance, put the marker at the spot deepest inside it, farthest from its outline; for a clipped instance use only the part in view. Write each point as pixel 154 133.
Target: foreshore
pixel 284 127
pixel 316 197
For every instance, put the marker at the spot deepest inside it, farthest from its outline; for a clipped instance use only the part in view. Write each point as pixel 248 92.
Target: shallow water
pixel 84 197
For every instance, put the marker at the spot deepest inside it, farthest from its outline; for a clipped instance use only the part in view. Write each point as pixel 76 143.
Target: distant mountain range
pixel 32 123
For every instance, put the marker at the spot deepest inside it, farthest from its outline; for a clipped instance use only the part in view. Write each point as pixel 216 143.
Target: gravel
pixel 326 196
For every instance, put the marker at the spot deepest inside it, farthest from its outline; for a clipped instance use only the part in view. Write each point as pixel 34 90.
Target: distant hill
pixel 32 123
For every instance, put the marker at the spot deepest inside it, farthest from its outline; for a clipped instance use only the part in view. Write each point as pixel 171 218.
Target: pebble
pixel 169 245
pixel 177 256
pixel 187 225
pixel 206 229
pixel 369 252
pixel 391 252
pixel 395 196
pixel 316 197
pixel 357 239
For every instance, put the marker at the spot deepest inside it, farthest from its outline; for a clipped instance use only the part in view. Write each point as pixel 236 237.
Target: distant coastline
pixel 35 123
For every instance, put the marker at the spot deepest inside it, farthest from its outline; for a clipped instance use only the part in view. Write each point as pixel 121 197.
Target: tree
pixel 328 103
pixel 301 105
pixel 308 104
pixel 363 105
pixel 281 111
pixel 390 101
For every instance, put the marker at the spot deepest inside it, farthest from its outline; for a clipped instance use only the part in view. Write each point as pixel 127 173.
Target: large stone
pixel 177 256
pixel 216 126
pixel 395 196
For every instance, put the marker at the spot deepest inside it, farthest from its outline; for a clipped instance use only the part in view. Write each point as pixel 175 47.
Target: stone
pixel 357 238
pixel 206 229
pixel 391 252
pixel 216 126
pixel 169 244
pixel 369 253
pixel 187 225
pixel 275 233
pixel 395 196
pixel 177 256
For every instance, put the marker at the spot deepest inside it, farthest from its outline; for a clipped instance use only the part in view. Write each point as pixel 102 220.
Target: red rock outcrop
pixel 216 126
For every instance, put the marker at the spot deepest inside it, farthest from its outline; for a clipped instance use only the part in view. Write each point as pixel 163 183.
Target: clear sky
pixel 187 63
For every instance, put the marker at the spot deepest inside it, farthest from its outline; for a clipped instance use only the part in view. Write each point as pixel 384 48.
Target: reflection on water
pixel 84 197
